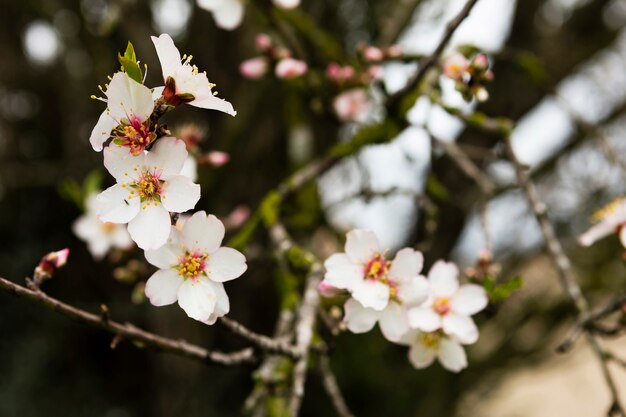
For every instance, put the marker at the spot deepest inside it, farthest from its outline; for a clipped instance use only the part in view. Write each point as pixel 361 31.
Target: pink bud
pixel 327 290
pixel 373 54
pixel 376 72
pixel 49 264
pixel 480 62
pixel 288 68
pixel 216 158
pixel 254 68
pixel 333 71
pixel 263 42
pixel 237 217
pixel 394 51
pixel 347 72
pixel 352 105
pixel 455 66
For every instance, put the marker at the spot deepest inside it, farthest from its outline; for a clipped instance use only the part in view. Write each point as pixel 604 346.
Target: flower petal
pixel 180 194
pixel 164 257
pixel 451 355
pixel 361 245
pixel 168 54
pixel 151 227
pixel 229 15
pixel 202 233
pixel 215 103
pixel 469 300
pixel 443 278
pixel 393 322
pixel 359 319
pixel 406 265
pixel 102 130
pixel 424 319
pixel 461 327
pixel 421 356
pixel 373 294
pixel 341 272
pixel 168 156
pixel 225 264
pixel 197 298
pixel 162 287
pixel 414 291
pixel 123 165
pixel 116 205
pixel 127 98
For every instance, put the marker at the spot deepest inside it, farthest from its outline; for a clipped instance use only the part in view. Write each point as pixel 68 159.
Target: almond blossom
pixel 610 219
pixel 426 347
pixel 100 237
pixel 193 267
pixel 353 105
pixel 370 278
pixel 449 306
pixel 228 14
pixel 183 82
pixel 127 116
pixel 288 68
pixel 149 186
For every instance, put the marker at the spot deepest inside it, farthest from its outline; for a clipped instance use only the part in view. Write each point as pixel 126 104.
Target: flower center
pixel 441 306
pixel 107 228
pixel 149 187
pixel 191 265
pixel 134 135
pixel 377 269
pixel 430 340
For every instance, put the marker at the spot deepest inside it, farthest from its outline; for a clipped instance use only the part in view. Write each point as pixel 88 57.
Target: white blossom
pixel 611 219
pixel 149 186
pixel 425 347
pixel 287 4
pixel 183 82
pixel 100 237
pixel 228 14
pixel 192 269
pixel 126 118
pixel 449 306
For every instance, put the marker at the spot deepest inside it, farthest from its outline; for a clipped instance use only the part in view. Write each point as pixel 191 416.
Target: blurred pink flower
pixel 288 68
pixel 254 68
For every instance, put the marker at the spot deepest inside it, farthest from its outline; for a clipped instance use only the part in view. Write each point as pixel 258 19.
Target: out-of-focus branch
pixel 399 17
pixel 332 387
pixel 129 331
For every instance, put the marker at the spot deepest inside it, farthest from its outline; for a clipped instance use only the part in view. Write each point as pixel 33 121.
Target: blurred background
pixel 559 73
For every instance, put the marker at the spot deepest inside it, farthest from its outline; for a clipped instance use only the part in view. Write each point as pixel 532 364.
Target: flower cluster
pixel 432 315
pixel 154 179
pixel 470 75
pixel 285 66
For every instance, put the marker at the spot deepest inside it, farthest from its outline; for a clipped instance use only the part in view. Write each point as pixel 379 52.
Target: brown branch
pixel 129 331
pixel 332 387
pixel 265 343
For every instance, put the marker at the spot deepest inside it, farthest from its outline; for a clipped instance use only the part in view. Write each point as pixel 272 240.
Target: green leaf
pixel 92 183
pixel 129 63
pixel 500 292
pixel 436 189
pixel 270 207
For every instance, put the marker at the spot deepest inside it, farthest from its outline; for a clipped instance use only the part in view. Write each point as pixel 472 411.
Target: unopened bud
pixel 327 290
pixel 254 68
pixel 289 68
pixel 237 217
pixel 215 158
pixel 373 54
pixel 480 62
pixel 49 264
pixel 263 42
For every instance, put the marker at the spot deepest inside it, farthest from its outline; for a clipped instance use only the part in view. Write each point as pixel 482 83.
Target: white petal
pixel 98 248
pixel 361 245
pixel 406 265
pixel 151 227
pixel 180 194
pixel 115 205
pixel 414 291
pixel 597 232
pixel 215 103
pixel 451 355
pixel 424 319
pixel 225 264
pixel 469 300
pixel 393 322
pixel 123 165
pixel 127 98
pixel 168 54
pixel 341 272
pixel 287 4
pixel 87 227
pixel 461 327
pixel 222 303
pixel 102 130
pixel 443 278
pixel 190 168
pixel 409 338
pixel 121 238
pixel 203 233
pixel 373 294
pixel 421 356
pixel 229 16
pixel 157 92
pixel 359 319
pixel 162 287
pixel 167 156
pixel 197 298
pixel 164 257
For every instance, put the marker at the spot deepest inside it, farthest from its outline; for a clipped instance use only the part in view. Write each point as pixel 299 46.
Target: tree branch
pixel 332 387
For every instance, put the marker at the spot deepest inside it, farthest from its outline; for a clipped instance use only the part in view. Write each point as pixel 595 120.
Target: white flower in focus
pixel 288 68
pixel 287 4
pixel 183 82
pixel 425 347
pixel 193 268
pixel 100 237
pixel 372 280
pixel 449 306
pixel 228 14
pixel 149 186
pixel 353 105
pixel 126 118
pixel 611 219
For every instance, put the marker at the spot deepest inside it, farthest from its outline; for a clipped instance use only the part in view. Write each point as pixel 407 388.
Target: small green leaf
pixel 129 63
pixel 270 207
pixel 500 292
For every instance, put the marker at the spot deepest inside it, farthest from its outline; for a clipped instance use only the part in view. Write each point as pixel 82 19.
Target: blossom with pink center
pixel 100 237
pixel 426 347
pixel 126 118
pixel 183 82
pixel 449 306
pixel 456 66
pixel 610 219
pixel 193 267
pixel 353 105
pixel 254 68
pixel 288 68
pixel 228 14
pixel 381 290
pixel 149 186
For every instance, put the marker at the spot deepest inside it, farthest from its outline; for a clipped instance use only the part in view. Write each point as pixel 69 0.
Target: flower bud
pixel 49 264
pixel 352 105
pixel 480 62
pixel 263 42
pixel 237 217
pixel 288 68
pixel 373 54
pixel 327 290
pixel 455 66
pixel 254 68
pixel 215 158
pixel 394 51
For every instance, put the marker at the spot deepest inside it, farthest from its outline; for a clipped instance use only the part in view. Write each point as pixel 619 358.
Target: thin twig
pixel 130 331
pixel 265 343
pixel 332 387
